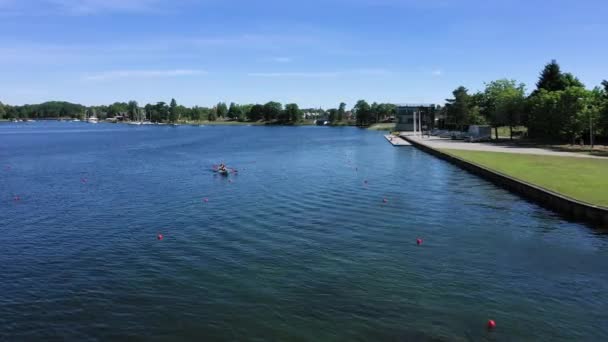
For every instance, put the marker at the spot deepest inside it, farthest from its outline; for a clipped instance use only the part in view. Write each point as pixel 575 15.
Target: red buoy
pixel 385 200
pixel 159 236
pixel 491 324
pixel 419 241
pixel 205 200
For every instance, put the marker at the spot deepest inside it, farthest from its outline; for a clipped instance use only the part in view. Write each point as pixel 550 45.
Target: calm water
pixel 295 247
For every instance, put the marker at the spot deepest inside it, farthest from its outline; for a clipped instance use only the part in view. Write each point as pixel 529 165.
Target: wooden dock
pixel 396 141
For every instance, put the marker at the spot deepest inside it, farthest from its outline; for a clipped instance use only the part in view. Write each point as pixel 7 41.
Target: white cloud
pixel 79 7
pixel 373 72
pixel 437 72
pixel 93 6
pixel 281 59
pixel 120 74
pixel 294 74
pixel 322 74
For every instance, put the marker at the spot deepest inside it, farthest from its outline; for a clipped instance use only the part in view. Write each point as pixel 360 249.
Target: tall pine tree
pixel 552 79
pixel 173 117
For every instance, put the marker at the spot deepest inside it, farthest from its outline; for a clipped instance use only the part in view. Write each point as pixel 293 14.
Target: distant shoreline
pixel 374 127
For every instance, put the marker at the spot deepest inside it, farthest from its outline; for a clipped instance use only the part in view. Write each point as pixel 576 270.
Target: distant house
pixel 405 114
pixel 310 115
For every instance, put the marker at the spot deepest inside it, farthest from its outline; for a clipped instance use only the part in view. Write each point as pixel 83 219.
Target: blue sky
pixel 314 52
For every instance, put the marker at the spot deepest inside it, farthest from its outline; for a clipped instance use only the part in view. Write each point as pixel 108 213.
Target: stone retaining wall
pixel 568 207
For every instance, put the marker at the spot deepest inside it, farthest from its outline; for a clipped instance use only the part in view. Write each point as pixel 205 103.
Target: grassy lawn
pixel 584 179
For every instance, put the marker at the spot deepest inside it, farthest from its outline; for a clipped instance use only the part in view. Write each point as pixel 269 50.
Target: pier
pixel 396 141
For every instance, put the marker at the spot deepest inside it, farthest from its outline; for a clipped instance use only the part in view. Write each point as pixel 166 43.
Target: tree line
pixel 361 114
pixel 271 112
pixel 560 108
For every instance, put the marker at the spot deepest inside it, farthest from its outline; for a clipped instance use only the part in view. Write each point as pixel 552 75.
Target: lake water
pixel 299 246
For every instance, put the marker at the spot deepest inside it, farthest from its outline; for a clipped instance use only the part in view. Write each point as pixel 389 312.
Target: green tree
pixel 603 109
pixel 503 101
pixel 363 112
pixel 2 111
pixel 562 115
pixel 256 113
pixel 573 109
pixel 173 111
pixel 101 111
pixel 149 111
pixel 212 116
pixel 459 107
pixel 221 110
pixel 477 114
pixel 570 80
pixel 341 112
pixel 293 113
pixel 195 113
pixel 245 109
pixel 593 113
pixel 332 115
pixel 118 109
pixel 544 119
pixel 272 111
pixel 133 110
pixel 199 113
pixel 161 111
pixel 182 112
pixel 235 112
pixel 385 111
pixel 375 112
pixel 552 79
pixel 11 113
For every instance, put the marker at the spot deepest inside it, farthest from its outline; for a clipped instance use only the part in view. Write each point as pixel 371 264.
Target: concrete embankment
pixel 564 205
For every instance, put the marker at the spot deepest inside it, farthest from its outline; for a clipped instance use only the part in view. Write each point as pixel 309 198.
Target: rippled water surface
pixel 298 246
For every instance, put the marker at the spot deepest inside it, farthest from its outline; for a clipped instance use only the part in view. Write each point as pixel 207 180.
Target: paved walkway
pixel 442 143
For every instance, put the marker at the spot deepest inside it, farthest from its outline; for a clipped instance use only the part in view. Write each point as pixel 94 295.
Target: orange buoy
pixel 491 324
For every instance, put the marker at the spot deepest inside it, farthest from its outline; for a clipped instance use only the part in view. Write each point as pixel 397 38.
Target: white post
pixel 420 123
pixel 415 122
